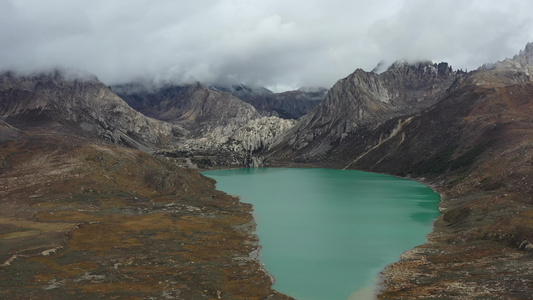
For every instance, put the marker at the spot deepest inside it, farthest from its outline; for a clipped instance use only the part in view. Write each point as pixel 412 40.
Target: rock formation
pixel 366 100
pixel 82 105
pixel 220 128
pixel 286 105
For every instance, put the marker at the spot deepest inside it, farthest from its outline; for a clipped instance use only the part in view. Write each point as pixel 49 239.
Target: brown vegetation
pixel 87 220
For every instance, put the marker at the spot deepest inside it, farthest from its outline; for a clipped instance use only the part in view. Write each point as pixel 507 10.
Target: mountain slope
pixel 221 130
pixel 364 100
pixel 81 105
pixel 471 140
pixel 193 106
pixel 286 105
pixel 84 217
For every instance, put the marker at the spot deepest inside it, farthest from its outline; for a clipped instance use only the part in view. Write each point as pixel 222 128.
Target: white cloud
pixel 272 43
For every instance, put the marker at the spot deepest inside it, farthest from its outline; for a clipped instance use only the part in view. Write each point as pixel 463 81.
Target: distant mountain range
pixel 286 105
pixel 82 160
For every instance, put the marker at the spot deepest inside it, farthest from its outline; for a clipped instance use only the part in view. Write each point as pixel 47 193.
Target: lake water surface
pixel 326 233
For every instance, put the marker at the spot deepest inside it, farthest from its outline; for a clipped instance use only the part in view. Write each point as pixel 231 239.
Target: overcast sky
pixel 278 44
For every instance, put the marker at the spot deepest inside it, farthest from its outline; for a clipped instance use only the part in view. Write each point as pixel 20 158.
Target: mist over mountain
pixel 79 104
pixel 279 45
pixel 103 178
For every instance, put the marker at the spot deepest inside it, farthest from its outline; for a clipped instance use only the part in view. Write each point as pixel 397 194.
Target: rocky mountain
pixel 470 137
pixel 93 197
pixel 367 99
pixel 194 106
pixel 86 215
pixel 81 105
pixel 220 128
pixel 192 123
pixel 286 105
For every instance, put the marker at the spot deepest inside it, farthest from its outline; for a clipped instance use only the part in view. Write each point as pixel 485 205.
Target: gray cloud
pixel 280 44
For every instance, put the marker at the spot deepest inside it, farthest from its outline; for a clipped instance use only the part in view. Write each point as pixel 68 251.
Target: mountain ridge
pixel 287 105
pixel 364 99
pixel 69 157
pixel 88 106
pixel 470 141
pixel 88 211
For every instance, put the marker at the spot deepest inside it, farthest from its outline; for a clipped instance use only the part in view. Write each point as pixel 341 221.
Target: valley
pixel 101 195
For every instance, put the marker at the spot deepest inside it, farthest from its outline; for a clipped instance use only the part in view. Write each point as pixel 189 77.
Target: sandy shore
pixel 366 293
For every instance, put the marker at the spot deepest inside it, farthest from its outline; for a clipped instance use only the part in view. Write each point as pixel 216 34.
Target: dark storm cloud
pixel 283 44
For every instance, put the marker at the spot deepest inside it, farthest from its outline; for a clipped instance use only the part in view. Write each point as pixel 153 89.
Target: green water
pixel 327 233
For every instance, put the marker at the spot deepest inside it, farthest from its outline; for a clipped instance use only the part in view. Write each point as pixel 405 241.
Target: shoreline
pixel 380 285
pixel 364 293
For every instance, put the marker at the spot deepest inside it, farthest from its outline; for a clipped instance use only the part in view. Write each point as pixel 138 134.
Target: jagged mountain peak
pixel 516 70
pixel 367 99
pixel 411 74
pixel 424 68
pixel 77 105
pixel 525 56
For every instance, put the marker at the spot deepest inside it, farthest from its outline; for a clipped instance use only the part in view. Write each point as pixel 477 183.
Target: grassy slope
pixel 475 147
pixel 484 174
pixel 85 220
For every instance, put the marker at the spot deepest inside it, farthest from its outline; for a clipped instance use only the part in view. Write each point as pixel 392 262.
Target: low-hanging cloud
pixel 279 44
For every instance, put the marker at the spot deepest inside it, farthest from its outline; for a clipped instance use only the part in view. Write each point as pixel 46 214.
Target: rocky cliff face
pixel 83 105
pixel 193 106
pixel 367 99
pixel 240 148
pixel 286 105
pixel 469 136
pixel 220 128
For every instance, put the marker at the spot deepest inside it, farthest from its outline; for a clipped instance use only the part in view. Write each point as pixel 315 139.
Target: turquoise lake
pixel 327 233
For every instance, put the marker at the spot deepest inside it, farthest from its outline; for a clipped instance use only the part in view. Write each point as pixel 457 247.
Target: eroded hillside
pixel 89 220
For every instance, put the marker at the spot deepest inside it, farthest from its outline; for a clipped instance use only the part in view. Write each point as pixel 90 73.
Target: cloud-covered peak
pixel 277 44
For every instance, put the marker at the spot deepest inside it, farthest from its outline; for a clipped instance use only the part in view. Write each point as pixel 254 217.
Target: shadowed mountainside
pixel 286 105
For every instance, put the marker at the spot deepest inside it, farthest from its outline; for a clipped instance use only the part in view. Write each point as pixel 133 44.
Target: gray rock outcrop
pixel 217 124
pixel 80 104
pixel 367 99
